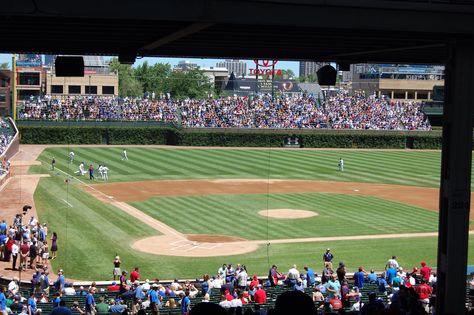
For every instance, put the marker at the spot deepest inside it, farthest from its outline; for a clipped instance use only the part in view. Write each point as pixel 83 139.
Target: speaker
pixel 344 66
pixel 127 59
pixel 327 75
pixel 69 66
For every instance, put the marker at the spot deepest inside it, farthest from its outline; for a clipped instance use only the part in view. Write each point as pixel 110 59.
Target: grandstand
pixel 340 111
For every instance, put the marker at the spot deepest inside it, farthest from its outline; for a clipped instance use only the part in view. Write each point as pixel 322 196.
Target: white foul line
pixel 70 205
pixel 80 181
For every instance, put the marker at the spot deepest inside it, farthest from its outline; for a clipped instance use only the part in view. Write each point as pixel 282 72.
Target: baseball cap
pixel 328 249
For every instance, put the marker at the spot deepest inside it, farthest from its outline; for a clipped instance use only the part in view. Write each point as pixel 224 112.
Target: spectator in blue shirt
pixel 57 300
pixel 372 276
pixel 154 299
pixel 185 303
pixel 390 274
pixel 359 278
pixel 309 276
pixel 90 302
pixel 60 282
pixel 3 301
pixel 32 304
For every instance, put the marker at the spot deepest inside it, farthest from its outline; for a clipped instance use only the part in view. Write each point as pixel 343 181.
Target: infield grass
pixel 237 215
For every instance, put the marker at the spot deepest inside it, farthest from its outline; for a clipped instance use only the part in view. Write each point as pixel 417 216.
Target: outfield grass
pixel 417 168
pixel 91 233
pixel 237 215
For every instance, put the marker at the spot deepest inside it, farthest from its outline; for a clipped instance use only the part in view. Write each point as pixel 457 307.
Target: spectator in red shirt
pixel 336 303
pixel 424 290
pixel 425 271
pixel 24 253
pixel 260 296
pixel 134 275
pixel 254 282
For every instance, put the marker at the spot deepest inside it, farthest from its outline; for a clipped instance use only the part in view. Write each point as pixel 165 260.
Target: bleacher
pixel 215 294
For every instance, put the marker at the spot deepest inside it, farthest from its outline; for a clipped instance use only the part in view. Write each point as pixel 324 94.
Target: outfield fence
pixel 100 133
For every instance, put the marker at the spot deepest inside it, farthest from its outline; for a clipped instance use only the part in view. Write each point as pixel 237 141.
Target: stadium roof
pixel 341 30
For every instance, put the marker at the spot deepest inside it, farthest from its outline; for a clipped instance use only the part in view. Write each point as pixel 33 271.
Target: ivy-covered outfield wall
pixel 44 134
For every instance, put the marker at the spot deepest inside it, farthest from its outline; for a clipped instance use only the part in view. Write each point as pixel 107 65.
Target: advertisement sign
pixel 268 68
pixel 28 63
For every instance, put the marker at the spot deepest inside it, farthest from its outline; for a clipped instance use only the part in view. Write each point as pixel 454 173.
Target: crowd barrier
pixel 11 150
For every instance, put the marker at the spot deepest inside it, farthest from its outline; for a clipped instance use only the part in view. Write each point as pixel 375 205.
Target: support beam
pixel 188 30
pixel 455 187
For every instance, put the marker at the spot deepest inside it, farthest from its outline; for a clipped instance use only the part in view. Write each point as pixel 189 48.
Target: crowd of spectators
pixel 232 287
pixel 341 111
pixel 6 134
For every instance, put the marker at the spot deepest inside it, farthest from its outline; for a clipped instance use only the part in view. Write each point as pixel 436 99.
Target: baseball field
pixel 182 212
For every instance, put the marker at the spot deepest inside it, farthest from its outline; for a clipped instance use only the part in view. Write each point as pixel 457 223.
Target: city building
pixel 217 76
pixel 185 65
pixel 409 82
pixel 239 68
pixel 30 77
pixel 98 80
pixel 310 67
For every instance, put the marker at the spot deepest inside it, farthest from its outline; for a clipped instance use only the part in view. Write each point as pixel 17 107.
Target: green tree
pixel 192 84
pixel 153 78
pixel 4 65
pixel 311 78
pixel 128 84
pixel 286 74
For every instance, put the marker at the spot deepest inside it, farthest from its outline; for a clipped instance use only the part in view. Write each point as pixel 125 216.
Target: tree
pixel 128 84
pixel 288 74
pixel 153 78
pixel 190 84
pixel 311 78
pixel 4 65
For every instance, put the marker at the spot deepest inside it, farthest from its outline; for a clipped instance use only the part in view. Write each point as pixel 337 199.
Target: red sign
pixel 265 72
pixel 265 63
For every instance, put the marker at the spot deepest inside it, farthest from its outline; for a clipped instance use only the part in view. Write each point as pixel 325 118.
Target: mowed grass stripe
pixel 222 165
pixel 419 168
pixel 238 213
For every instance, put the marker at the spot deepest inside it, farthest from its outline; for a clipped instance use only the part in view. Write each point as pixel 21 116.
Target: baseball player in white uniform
pixel 99 170
pixel 341 165
pixel 124 155
pixel 81 170
pixel 105 172
pixel 71 156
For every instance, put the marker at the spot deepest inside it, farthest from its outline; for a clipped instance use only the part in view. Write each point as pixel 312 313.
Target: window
pixel 422 96
pixel 74 89
pixel 91 89
pixel 56 89
pixel 3 97
pixel 29 78
pixel 108 90
pixel 4 82
pixel 399 95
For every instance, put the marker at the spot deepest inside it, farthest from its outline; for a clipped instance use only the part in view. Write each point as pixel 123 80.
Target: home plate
pixel 356 189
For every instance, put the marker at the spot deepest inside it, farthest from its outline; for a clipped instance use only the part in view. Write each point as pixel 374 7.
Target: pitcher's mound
pixel 287 213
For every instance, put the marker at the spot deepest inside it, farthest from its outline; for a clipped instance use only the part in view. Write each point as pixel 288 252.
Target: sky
pixel 293 65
